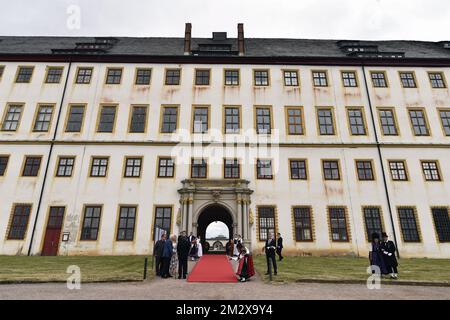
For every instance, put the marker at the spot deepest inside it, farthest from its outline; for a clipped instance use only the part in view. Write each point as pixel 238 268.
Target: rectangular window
pixel 388 122
pixel 331 170
pixel 113 75
pixel 65 166
pixel 290 78
pixel 91 223
pixel 12 117
pixel 198 168
pixel 379 79
pixel 75 118
pixel 303 224
pixel 232 120
pixel 84 75
pixel 54 74
pixel 24 74
pixel 263 120
pixel 138 119
pixel 127 220
pixel 294 121
pixel 2 70
pixel 356 121
pixel 19 222
pixel 445 120
pixel 132 167
pixel 169 120
pixel 349 79
pixel 407 79
pixel 398 170
pixel 99 167
pixel 107 119
pixel 166 168
pixel 266 222
pixel 56 217
pixel 43 118
pixel 320 79
pixel 264 169
pixel 408 224
pixel 261 77
pixel 431 170
pixel 442 223
pixel 3 164
pixel 31 166
pixel 202 77
pixel 418 122
pixel 326 122
pixel 163 218
pixel 231 169
pixel 372 219
pixel 338 224
pixel 437 80
pixel 200 120
pixel 173 77
pixel 143 76
pixel 231 77
pixel 365 170
pixel 298 169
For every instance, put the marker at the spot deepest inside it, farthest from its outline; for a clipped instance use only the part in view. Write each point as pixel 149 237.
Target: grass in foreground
pixel 93 269
pixel 293 269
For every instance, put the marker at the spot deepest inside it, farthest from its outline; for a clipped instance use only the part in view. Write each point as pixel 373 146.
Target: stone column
pixel 245 218
pixel 240 226
pixel 190 213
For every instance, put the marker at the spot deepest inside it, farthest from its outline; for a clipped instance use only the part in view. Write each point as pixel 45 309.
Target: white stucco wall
pixel 148 191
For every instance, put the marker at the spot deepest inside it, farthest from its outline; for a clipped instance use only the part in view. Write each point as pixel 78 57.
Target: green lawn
pixel 93 269
pixel 293 269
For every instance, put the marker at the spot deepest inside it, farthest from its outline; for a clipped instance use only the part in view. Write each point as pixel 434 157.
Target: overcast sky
pixel 322 19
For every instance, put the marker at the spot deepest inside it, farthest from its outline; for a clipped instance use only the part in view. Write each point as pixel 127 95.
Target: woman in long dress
pixel 193 250
pixel 199 248
pixel 245 269
pixel 173 268
pixel 376 255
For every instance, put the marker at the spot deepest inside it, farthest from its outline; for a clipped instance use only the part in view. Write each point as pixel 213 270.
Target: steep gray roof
pixel 254 47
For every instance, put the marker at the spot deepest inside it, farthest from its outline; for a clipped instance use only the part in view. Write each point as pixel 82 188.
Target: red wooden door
pixel 53 231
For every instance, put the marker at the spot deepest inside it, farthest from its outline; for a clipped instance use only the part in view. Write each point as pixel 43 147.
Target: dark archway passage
pixel 210 214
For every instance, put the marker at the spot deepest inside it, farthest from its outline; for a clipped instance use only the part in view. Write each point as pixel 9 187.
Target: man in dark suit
pixel 166 256
pixel 183 247
pixel 269 249
pixel 279 245
pixel 191 237
pixel 388 249
pixel 157 253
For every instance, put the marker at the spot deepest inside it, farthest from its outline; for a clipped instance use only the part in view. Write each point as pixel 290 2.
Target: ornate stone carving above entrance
pixel 197 195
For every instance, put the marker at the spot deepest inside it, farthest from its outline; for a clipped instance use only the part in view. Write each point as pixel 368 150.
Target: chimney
pixel 241 38
pixel 187 39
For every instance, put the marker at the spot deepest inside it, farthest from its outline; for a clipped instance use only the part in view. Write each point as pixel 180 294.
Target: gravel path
pixel 253 290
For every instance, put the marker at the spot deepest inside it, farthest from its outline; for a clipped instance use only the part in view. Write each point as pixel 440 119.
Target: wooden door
pixel 53 231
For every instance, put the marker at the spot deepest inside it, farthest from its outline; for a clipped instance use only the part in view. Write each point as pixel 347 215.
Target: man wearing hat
pixel 388 249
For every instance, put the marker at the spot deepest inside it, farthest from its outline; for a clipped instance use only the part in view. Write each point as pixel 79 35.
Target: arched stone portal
pixel 226 200
pixel 211 213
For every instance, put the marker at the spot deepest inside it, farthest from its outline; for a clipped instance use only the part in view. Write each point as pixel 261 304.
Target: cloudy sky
pixel 217 229
pixel 322 19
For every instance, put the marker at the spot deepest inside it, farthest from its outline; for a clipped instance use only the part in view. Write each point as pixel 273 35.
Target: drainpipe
pixel 380 158
pixel 49 155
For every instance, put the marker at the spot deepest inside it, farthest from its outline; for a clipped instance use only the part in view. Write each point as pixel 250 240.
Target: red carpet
pixel 212 268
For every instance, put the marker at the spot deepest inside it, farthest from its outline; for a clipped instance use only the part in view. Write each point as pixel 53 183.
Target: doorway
pixel 210 216
pixel 53 231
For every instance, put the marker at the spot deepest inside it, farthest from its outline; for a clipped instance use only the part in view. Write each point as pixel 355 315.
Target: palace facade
pixel 105 141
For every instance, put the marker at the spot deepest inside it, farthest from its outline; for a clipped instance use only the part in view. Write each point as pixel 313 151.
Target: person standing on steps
pixel 279 246
pixel 269 249
pixel 183 248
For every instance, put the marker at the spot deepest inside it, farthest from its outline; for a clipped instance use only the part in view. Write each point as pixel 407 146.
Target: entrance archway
pixel 212 213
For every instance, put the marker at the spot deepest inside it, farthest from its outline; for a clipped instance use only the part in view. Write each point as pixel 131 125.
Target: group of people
pixel 172 254
pixel 382 255
pixel 236 250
